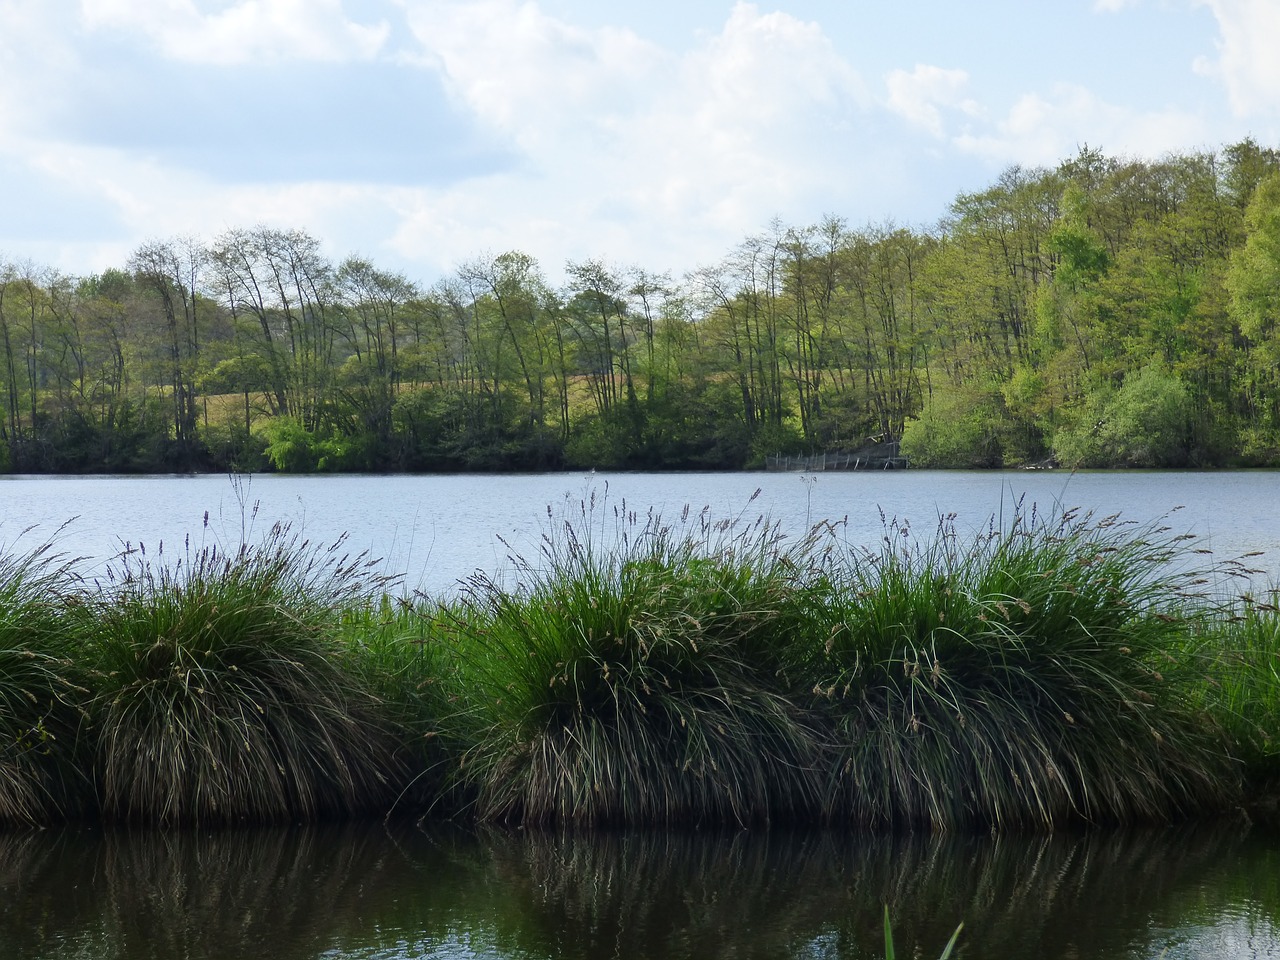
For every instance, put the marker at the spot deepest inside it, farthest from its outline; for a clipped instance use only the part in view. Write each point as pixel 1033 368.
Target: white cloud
pixel 527 74
pixel 1114 6
pixel 631 140
pixel 1247 62
pixel 760 119
pixel 38 62
pixel 1043 131
pixel 761 67
pixel 918 95
pixel 622 148
pixel 242 31
pixel 149 199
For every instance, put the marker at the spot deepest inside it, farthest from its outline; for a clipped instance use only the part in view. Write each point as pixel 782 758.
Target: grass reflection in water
pixel 399 891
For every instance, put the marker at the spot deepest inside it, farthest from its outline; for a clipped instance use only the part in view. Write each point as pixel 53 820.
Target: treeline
pixel 1108 312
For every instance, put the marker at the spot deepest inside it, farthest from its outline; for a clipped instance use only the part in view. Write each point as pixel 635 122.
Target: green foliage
pixel 606 442
pixel 237 375
pixel 338 454
pixel 714 426
pixel 132 439
pixel 407 653
pixel 685 430
pixel 1253 281
pixel 41 690
pixel 686 427
pixel 290 447
pixel 1082 256
pixel 1259 444
pixel 442 428
pixel 235 449
pixel 775 438
pixel 1146 423
pixel 955 429
pixel 1245 692
pixel 1254 277
pixel 428 423
pixel 221 694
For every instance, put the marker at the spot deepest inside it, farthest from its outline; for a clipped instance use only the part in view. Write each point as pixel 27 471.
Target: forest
pixel 1109 312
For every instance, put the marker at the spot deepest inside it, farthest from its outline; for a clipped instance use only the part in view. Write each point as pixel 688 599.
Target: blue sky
pixel 423 133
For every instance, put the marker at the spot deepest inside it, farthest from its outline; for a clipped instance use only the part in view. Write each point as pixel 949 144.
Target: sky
pixel 421 134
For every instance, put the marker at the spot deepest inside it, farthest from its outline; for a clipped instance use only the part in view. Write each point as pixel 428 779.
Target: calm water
pixel 435 530
pixel 374 892
pixel 359 893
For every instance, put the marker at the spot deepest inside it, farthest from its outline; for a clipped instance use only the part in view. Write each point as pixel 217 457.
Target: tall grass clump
pixel 1037 674
pixel 406 650
pixel 620 685
pixel 222 692
pixel 1244 688
pixel 41 690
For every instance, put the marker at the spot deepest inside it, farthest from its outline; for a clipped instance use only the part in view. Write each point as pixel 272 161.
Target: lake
pixel 360 892
pixel 436 530
pixel 374 892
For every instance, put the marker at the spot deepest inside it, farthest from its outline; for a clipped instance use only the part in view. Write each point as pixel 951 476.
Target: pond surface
pixel 380 892
pixel 436 530
pixel 407 892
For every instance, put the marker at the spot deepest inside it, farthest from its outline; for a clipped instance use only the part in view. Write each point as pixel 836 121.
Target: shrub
pixel 958 429
pixel 290 447
pixel 1145 423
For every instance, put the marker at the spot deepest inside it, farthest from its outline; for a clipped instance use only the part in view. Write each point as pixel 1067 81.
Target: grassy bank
pixel 1055 670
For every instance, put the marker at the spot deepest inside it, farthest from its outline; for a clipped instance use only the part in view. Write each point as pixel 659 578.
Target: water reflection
pixel 398 892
